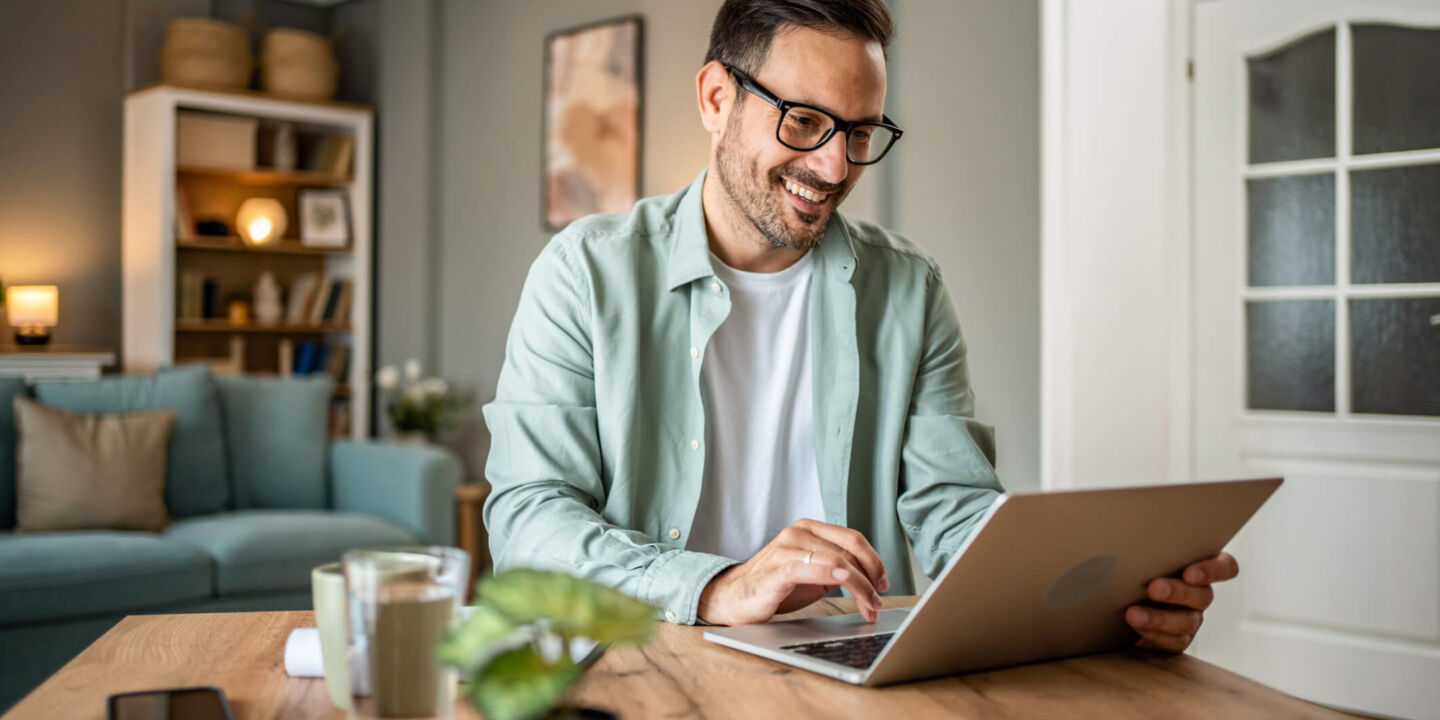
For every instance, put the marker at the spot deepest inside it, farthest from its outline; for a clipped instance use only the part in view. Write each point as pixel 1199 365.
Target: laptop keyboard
pixel 857 652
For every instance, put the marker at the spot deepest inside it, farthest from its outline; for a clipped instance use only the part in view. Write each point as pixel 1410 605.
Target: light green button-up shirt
pixel 597 453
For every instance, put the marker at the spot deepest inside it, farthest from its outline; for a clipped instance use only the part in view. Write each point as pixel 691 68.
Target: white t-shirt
pixel 760 472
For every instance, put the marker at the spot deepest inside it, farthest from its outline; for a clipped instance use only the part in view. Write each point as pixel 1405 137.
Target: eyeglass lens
pixel 804 129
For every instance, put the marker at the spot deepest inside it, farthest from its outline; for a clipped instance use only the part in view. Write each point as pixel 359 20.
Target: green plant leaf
pixel 470 644
pixel 519 684
pixel 568 606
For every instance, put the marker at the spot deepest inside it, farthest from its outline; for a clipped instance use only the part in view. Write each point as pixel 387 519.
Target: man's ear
pixel 716 95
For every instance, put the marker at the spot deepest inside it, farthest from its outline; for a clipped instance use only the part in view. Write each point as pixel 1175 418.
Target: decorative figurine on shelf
pixel 421 407
pixel 237 308
pixel 267 299
pixel 284 156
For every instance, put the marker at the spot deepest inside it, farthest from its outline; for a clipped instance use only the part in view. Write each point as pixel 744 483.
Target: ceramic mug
pixel 327 588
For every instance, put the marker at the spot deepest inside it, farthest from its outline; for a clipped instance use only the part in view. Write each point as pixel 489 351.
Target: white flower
pixel 387 377
pixel 412 369
pixel 415 392
pixel 435 386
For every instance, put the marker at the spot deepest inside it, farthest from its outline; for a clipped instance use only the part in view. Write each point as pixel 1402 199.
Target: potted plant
pixel 514 653
pixel 419 407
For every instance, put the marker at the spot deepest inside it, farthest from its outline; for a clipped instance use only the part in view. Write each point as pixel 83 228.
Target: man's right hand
pixel 803 563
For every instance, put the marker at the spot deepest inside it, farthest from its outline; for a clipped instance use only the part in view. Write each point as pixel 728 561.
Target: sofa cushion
pixel 197 479
pixel 79 472
pixel 274 550
pixel 62 575
pixel 277 439
pixel 10 388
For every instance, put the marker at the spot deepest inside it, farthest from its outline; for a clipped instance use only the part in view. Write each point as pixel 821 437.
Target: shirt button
pixel 694 352
pixel 669 616
pixel 694 444
pixel 716 286
pixel 674 533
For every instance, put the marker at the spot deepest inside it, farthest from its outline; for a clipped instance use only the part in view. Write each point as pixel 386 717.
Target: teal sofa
pixel 258 494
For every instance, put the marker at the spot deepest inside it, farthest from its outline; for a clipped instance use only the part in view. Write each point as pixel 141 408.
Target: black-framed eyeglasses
pixel 805 127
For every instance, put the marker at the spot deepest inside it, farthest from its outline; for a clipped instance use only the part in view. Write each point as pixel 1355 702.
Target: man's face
pixel 844 75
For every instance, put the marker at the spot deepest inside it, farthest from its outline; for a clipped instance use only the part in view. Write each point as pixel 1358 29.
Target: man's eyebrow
pixel 871 119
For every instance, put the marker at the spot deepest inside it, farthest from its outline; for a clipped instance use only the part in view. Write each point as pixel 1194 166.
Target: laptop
pixel 1042 576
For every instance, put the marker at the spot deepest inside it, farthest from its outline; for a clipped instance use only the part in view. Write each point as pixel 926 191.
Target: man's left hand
pixel 1179 604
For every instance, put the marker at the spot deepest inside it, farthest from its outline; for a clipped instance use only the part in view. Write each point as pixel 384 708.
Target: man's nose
pixel 828 161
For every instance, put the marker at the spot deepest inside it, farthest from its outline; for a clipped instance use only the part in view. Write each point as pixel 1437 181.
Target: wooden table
pixel 676 675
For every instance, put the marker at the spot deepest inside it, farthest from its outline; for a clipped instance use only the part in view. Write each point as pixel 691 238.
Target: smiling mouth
pixel 804 193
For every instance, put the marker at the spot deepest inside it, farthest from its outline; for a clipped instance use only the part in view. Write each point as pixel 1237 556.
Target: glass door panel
pixel 1397 88
pixel 1292 101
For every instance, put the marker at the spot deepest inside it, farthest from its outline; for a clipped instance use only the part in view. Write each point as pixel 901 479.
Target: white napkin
pixel 302 654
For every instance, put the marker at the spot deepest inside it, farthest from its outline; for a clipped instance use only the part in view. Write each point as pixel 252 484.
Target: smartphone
pixel 192 703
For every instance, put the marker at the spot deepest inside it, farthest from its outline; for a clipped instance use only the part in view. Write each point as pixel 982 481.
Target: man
pixel 718 402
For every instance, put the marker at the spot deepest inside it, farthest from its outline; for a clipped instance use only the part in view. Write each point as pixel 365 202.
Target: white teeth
pixel 804 193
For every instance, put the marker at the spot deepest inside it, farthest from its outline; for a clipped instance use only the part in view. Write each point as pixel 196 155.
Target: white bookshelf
pixel 152 255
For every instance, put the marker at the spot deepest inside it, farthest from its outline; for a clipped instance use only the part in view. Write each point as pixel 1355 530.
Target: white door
pixel 1317 339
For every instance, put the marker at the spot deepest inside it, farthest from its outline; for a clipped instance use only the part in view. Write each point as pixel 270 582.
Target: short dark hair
pixel 744 29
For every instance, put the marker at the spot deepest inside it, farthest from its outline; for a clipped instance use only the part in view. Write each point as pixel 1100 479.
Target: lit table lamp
pixel 33 310
pixel 261 221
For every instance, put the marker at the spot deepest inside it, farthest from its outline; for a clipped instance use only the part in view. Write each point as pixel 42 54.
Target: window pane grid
pixel 1342 292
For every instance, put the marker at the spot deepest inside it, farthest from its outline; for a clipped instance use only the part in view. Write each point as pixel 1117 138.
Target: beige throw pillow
pixel 76 472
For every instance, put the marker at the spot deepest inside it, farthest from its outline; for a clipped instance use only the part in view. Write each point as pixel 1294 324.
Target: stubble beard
pixel 751 196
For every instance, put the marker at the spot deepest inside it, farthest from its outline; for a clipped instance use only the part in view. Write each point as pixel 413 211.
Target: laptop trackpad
pixel 792 632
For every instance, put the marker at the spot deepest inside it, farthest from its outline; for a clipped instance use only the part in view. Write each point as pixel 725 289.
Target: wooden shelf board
pixel 249 94
pixel 261 176
pixel 225 326
pixel 288 246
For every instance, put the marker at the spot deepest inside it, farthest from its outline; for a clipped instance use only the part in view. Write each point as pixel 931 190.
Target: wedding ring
pixel 809 557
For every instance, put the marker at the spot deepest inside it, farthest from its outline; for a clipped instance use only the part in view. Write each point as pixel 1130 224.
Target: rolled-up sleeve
pixel 546 508
pixel 947 473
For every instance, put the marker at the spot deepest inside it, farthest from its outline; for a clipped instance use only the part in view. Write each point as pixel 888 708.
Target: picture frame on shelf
pixel 324 218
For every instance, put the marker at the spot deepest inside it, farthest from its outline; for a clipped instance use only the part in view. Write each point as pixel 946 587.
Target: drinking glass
pixel 403 601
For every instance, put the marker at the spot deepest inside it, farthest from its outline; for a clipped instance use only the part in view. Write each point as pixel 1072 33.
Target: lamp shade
pixel 30 305
pixel 261 221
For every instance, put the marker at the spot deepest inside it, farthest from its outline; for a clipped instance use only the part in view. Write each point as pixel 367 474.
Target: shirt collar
pixel 690 253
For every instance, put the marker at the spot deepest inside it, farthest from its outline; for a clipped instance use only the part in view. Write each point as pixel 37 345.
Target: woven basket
pixel 299 64
pixel 206 53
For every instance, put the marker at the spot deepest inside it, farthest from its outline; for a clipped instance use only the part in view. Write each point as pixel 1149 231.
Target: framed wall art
pixel 324 218
pixel 592 112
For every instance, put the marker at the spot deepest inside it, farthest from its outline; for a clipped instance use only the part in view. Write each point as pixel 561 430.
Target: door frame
pixel 1165 38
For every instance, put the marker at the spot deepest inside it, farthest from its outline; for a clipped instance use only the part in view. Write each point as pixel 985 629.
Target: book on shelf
pixel 285 357
pixel 302 293
pixel 210 299
pixel 337 364
pixel 332 305
pixel 184 220
pixel 341 315
pixel 191 303
pixel 331 154
pixel 305 356
pixel 321 300
pixel 314 357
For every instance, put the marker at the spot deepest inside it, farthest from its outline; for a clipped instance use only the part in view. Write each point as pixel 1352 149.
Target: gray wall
pixel 965 182
pixel 64 68
pixel 60 89
pixel 489 181
pixel 966 78
pixel 457 88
